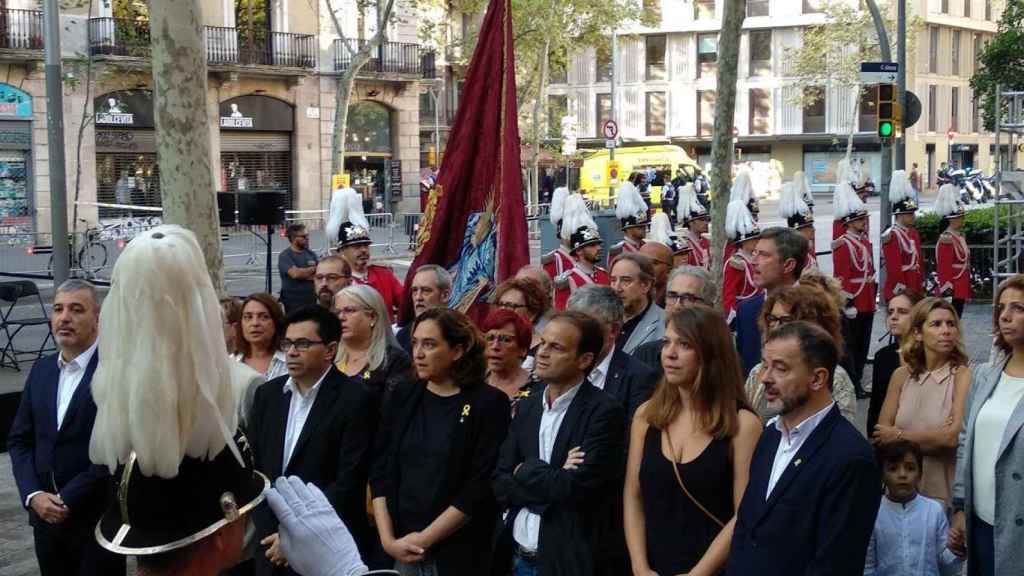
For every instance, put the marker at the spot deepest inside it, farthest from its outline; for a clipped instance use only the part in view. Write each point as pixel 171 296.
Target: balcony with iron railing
pixel 224 46
pixel 388 59
pixel 21 29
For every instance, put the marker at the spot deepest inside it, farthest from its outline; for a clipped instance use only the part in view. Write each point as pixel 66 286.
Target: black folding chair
pixel 12 293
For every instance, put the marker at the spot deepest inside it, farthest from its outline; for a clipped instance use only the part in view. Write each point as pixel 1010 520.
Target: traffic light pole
pixel 886 53
pixel 901 82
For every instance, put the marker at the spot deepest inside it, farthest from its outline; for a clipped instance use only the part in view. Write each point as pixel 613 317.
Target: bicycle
pixel 91 256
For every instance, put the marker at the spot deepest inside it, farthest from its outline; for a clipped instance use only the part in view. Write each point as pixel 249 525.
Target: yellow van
pixel 662 158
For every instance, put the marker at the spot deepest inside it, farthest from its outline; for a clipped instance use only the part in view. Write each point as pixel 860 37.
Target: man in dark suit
pixel 315 425
pixel 778 262
pixel 687 286
pixel 813 493
pixel 561 462
pixel 621 376
pixel 49 443
pixel 431 287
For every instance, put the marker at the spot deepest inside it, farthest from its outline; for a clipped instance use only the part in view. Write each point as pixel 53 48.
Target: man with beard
pixel 585 247
pixel 297 266
pixel 810 504
pixel 332 274
pixel 431 287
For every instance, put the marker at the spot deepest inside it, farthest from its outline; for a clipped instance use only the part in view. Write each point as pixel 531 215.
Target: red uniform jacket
pixel 839 228
pixel 577 277
pixel 739 283
pixel 383 280
pixel 626 245
pixel 700 250
pixel 812 261
pixel 853 264
pixel 953 261
pixel 557 262
pixel 901 248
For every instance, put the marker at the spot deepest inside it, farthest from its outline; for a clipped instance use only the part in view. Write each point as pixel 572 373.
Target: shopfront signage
pixel 125 109
pixel 14 102
pixel 258 113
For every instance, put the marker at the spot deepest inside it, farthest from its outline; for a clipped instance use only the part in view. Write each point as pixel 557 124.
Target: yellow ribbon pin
pixel 797 462
pixel 465 410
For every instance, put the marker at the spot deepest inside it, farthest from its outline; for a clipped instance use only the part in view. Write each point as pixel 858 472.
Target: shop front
pixel 821 164
pixel 127 172
pixel 16 194
pixel 256 146
pixel 369 157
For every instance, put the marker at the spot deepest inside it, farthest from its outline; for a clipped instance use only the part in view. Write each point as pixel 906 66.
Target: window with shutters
pixel 654 106
pixel 604 112
pixel 956 53
pixel 988 10
pixel 703 9
pixel 944 7
pixel 655 56
pixel 705 112
pixel 603 61
pixel 933 50
pixel 975 111
pixel 760 110
pixel 707 54
pixel 758 8
pixel 967 8
pixel 954 109
pixel 932 108
pixel 814 111
pixel 760 53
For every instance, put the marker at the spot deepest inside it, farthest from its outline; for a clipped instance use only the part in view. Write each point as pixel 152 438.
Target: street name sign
pixel 878 72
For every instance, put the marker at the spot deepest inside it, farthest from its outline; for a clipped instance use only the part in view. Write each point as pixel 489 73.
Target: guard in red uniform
pixel 631 210
pixel 558 260
pixel 353 244
pixel 742 233
pixel 585 242
pixel 853 264
pixel 901 244
pixel 952 256
pixel 695 224
pixel 798 216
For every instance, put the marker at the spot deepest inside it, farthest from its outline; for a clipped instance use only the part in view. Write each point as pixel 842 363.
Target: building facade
pixel 272 75
pixel 666 80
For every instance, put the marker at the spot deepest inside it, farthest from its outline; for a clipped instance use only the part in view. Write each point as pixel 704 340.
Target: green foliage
pixel 1001 62
pixel 977 228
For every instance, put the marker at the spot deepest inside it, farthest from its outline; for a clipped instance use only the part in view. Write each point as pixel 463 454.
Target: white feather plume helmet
pixel 846 202
pixel 661 230
pixel 844 171
pixel 689 205
pixel 742 187
pixel 575 215
pixel 948 201
pixel 163 387
pixel 790 202
pixel 346 206
pixel 557 209
pixel 803 188
pixel 899 186
pixel 629 202
pixel 738 220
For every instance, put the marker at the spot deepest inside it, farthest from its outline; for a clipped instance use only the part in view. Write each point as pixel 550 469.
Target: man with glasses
pixel 687 286
pixel 430 288
pixel 779 259
pixel 332 275
pixel 633 282
pixel 313 425
pixel 297 266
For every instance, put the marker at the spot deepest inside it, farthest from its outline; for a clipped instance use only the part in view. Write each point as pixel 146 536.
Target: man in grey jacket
pixel 632 277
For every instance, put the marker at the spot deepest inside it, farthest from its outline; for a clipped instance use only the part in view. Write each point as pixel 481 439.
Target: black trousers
pixel 983 548
pixel 74 552
pixel 857 333
pixel 958 305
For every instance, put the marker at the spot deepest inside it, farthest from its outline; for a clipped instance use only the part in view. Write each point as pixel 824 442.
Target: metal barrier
pixel 317 220
pixel 982 270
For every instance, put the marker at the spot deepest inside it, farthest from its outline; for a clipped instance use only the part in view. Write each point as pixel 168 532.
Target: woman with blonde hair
pixel 369 352
pixel 814 305
pixel 926 396
pixel 694 437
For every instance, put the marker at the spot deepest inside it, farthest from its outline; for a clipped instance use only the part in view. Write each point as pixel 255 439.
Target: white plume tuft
pixel 803 187
pixel 558 204
pixel 344 203
pixel 846 201
pixel 899 186
pixel 948 200
pixel 689 205
pixel 791 203
pixel 661 230
pixel 742 187
pixel 738 220
pixel 576 214
pixel 163 388
pixel 629 201
pixel 844 171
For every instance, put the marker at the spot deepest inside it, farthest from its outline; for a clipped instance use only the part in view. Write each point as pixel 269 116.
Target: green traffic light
pixel 885 129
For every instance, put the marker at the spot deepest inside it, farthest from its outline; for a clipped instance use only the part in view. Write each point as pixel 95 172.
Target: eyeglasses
pixel 511 306
pixel 504 339
pixel 349 310
pixel 772 320
pixel 302 344
pixel 682 298
pixel 332 277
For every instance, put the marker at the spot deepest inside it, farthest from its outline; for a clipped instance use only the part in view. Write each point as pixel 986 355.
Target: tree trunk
pixel 342 98
pixel 721 143
pixel 535 161
pixel 183 126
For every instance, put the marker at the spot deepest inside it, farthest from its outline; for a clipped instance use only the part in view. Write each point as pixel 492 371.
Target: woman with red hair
pixel 507 337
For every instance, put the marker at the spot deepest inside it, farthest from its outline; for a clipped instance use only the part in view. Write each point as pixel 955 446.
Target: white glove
pixel 313 539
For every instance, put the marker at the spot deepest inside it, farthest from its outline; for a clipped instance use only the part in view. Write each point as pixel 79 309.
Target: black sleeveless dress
pixel 678 532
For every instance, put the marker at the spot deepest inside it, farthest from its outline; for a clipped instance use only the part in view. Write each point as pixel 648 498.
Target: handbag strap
pixel 679 480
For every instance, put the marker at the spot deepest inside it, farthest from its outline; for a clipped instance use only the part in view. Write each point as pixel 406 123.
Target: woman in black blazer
pixel 369 353
pixel 436 448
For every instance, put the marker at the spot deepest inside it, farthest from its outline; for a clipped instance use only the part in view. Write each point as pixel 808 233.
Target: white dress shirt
pixel 600 372
pixel 526 529
pixel 71 374
pixel 910 540
pixel 989 428
pixel 791 442
pixel 298 412
pixel 278 365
